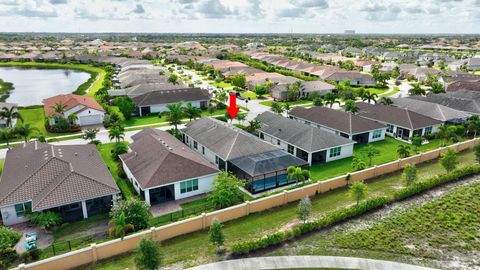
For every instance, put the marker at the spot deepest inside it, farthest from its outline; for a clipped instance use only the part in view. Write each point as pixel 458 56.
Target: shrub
pixel 304 209
pixel 409 175
pixel 119 149
pixel 449 160
pixel 45 220
pixel 148 256
pixel 7 257
pixel 215 234
pixel 8 237
pixel 136 212
pixel 226 191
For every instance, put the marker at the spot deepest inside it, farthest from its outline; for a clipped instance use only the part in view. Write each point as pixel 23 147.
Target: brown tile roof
pixel 342 121
pixel 157 158
pixel 70 100
pixel 51 176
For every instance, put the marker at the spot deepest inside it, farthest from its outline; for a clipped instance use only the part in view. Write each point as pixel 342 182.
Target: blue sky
pixel 241 16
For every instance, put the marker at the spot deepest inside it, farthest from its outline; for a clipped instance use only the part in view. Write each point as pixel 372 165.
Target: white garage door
pixel 90 120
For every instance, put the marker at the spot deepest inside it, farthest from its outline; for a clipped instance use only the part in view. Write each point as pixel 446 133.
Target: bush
pixel 226 191
pixel 8 238
pixel 45 220
pixel 148 256
pixel 119 149
pixel 136 212
pixel 7 257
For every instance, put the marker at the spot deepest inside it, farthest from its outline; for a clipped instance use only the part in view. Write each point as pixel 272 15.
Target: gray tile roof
pixel 157 158
pixel 224 140
pixel 433 110
pixel 171 96
pixel 303 136
pixel 338 120
pixel 461 100
pixel 395 116
pixel 51 176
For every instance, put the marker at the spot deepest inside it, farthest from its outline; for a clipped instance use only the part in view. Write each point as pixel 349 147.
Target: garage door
pixel 90 120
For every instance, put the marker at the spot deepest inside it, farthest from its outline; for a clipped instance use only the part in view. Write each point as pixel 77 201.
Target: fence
pixel 57 248
pixel 105 250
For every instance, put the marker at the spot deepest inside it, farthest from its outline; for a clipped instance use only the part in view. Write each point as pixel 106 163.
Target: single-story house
pixel 473 63
pixel 401 123
pixel 9 106
pixel 466 101
pixel 71 180
pixel 157 101
pixel 87 110
pixel 280 92
pixel 356 78
pixel 311 144
pixel 436 111
pixel 161 168
pixel 341 123
pixel 262 164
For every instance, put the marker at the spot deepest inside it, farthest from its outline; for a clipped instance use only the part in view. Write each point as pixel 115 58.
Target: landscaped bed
pixel 194 249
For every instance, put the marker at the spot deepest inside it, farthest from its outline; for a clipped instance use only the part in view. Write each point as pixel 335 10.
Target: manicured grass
pixel 35 116
pixel 97 73
pixel 224 85
pixel 154 119
pixel 249 95
pixel 299 102
pixel 194 248
pixel 388 152
pixel 2 161
pixel 477 72
pixel 113 166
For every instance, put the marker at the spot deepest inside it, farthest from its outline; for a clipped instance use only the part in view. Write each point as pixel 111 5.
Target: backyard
pixel 155 119
pixel 388 152
pixel 194 249
pixel 35 116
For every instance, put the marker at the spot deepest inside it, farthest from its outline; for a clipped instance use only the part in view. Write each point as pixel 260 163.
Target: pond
pixel 32 85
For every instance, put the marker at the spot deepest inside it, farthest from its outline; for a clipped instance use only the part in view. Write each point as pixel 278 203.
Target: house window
pixel 186 139
pixel 195 145
pixel 23 208
pixel 278 142
pixel 290 149
pixel 203 150
pixel 216 159
pixel 335 152
pixel 377 134
pixel 389 128
pixel 188 186
pixel 428 130
pixel 262 136
pixel 307 123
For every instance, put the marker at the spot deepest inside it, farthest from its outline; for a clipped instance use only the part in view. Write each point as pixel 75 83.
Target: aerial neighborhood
pixel 223 146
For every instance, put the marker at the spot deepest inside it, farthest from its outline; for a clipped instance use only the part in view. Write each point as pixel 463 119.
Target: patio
pixel 172 206
pixel 43 238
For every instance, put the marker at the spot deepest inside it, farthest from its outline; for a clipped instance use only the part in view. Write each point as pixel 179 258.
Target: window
pixel 278 142
pixel 188 186
pixel 290 149
pixel 186 139
pixel 203 150
pixel 23 208
pixel 262 136
pixel 216 159
pixel 335 152
pixel 389 128
pixel 428 130
pixel 307 123
pixel 377 134
pixel 195 145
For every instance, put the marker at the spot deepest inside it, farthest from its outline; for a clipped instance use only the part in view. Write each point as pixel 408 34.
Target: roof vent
pixel 76 154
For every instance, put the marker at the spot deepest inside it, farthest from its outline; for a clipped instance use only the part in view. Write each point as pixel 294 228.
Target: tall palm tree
pixel 8 114
pixel 241 117
pixel 192 112
pixel 277 107
pixel 90 134
pixel 119 226
pixel 443 134
pixel 59 107
pixel 25 130
pixel 369 96
pixel 297 173
pixel 351 106
pixel 175 114
pixel 330 99
pixel 72 118
pixel 253 125
pixel 117 133
pixel 6 135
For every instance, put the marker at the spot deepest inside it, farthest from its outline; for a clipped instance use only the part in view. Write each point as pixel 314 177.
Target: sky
pixel 241 16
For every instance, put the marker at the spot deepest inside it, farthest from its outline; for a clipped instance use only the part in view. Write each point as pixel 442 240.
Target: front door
pixel 144 111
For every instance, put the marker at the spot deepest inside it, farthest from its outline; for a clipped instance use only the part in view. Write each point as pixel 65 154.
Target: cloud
pixel 214 9
pixel 57 2
pixel 139 9
pixel 294 12
pixel 322 4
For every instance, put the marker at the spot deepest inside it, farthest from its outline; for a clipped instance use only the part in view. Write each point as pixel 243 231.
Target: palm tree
pixel 417 90
pixel 8 114
pixel 297 173
pixel 330 99
pixel 59 107
pixel 351 106
pixel 7 134
pixel 253 125
pixel 25 130
pixel 192 112
pixel 473 125
pixel 368 96
pixel 116 133
pixel 72 118
pixel 443 133
pixel 403 151
pixel 90 134
pixel 277 107
pixel 241 117
pixel 119 226
pixel 175 114
pixel 386 101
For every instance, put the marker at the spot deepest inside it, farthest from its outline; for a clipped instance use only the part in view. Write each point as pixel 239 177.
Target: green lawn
pixel 249 95
pixel 477 72
pixel 299 102
pixel 2 161
pixel 94 71
pixel 224 85
pixel 194 248
pixel 125 187
pixel 154 119
pixel 388 152
pixel 35 116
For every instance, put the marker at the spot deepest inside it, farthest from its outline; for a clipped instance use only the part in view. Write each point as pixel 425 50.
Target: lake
pixel 34 85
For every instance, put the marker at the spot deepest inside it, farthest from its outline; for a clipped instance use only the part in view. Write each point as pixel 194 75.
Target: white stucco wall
pixel 208 155
pixel 9 216
pixel 347 151
pixel 204 186
pixel 371 139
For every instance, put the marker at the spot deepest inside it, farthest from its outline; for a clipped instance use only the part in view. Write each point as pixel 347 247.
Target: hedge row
pixel 348 213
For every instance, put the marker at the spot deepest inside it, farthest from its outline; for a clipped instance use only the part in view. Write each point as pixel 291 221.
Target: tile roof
pixel 433 110
pixel 51 176
pixel 334 119
pixel 224 140
pixel 157 158
pixel 303 136
pixel 70 101
pixel 171 96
